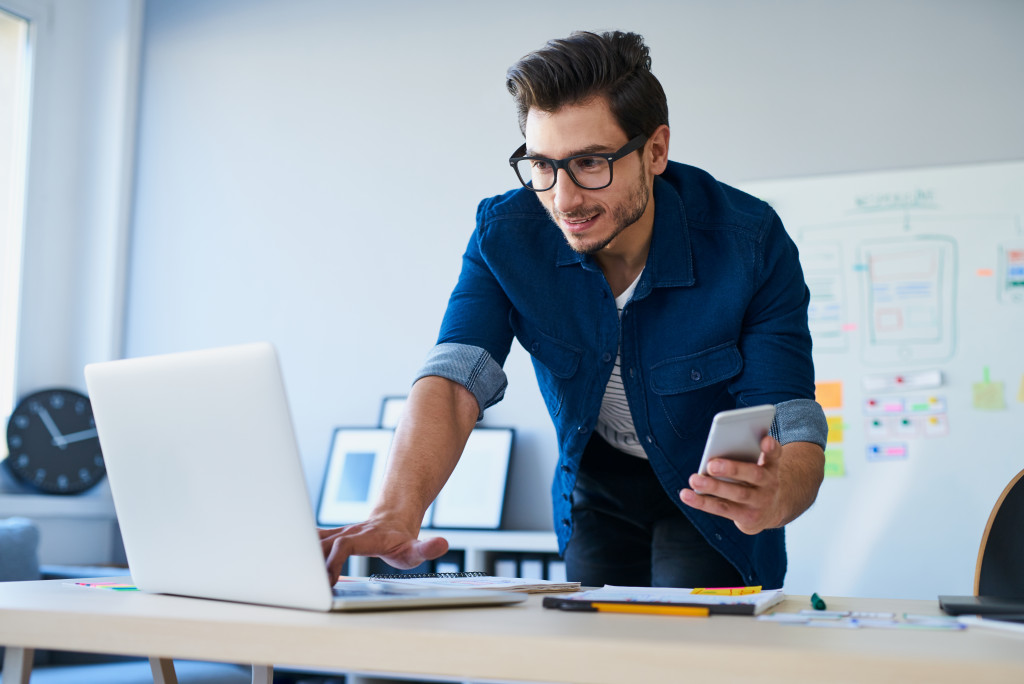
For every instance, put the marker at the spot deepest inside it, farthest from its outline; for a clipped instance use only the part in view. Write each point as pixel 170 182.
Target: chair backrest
pixel 1000 569
pixel 19 550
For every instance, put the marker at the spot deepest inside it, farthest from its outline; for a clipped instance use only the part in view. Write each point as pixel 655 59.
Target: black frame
pixel 519 155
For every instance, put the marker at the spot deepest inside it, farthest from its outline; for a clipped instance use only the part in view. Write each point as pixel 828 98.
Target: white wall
pixel 85 59
pixel 79 182
pixel 308 170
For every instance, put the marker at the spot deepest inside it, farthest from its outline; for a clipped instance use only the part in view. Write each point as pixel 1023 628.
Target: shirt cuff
pixel 800 420
pixel 472 367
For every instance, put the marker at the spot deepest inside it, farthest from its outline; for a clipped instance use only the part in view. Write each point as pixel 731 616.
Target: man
pixel 650 297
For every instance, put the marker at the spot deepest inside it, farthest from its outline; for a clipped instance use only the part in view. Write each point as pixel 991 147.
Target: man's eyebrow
pixel 589 149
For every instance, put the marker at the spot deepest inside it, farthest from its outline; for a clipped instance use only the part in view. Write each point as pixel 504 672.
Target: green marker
pixel 817 602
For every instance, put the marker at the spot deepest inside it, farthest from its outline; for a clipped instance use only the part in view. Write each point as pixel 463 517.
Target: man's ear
pixel 657 149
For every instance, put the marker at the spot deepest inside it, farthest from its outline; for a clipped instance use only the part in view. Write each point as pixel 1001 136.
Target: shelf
pixel 477 545
pixel 55 506
pixel 497 540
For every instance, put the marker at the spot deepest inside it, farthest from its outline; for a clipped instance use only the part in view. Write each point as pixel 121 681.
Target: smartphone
pixel 737 434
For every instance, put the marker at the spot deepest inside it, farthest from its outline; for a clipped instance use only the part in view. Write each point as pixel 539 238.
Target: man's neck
pixel 624 258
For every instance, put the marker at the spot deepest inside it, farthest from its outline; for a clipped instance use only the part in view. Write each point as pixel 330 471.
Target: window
pixel 14 108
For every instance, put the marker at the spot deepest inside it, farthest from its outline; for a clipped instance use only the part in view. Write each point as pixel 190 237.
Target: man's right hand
pixel 391 543
pixel 439 415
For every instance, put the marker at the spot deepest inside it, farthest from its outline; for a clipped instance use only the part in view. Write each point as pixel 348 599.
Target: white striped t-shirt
pixel 615 423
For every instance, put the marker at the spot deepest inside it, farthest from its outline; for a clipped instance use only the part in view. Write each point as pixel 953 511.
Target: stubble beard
pixel 623 216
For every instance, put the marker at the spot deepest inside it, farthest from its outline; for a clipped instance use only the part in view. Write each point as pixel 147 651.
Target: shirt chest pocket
pixel 554 361
pixel 692 388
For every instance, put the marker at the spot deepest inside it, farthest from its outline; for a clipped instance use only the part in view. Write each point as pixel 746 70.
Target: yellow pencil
pixel 726 591
pixel 647 609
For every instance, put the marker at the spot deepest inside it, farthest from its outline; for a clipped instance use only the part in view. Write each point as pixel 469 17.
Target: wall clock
pixel 52 442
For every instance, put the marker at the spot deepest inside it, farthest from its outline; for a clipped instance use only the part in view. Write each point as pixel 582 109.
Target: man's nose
pixel 567 195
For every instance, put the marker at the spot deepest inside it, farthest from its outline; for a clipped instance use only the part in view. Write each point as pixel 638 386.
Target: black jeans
pixel 628 532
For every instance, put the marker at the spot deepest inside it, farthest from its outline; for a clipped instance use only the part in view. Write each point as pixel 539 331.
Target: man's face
pixel 590 220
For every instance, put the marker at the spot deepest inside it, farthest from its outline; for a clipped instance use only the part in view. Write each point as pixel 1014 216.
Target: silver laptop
pixel 209 489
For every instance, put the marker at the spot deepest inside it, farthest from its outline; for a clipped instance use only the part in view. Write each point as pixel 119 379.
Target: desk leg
pixel 17 665
pixel 262 674
pixel 163 671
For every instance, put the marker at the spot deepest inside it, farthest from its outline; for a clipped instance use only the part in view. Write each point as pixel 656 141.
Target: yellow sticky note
pixel 1020 392
pixel 835 428
pixel 834 465
pixel 988 396
pixel 829 394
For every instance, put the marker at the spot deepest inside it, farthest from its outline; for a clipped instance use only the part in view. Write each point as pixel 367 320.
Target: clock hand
pixel 79 436
pixel 51 427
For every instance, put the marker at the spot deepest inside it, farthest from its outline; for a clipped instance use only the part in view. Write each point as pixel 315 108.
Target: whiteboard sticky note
pixel 898 382
pixel 829 394
pixel 988 396
pixel 834 464
pixel 835 428
pixel 886 451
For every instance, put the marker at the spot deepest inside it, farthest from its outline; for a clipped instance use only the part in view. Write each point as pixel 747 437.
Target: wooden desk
pixel 521 642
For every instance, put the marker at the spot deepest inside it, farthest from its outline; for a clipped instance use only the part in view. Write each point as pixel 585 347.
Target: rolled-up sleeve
pixel 800 420
pixel 472 367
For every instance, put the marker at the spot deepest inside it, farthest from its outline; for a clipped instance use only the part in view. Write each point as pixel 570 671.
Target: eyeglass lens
pixel 590 172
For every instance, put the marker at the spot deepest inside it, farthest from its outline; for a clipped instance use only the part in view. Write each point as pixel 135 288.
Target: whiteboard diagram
pixel 908 295
pixel 917 319
pixel 826 312
pixel 1011 273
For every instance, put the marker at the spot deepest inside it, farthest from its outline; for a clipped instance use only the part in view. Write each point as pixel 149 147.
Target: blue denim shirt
pixel 717 321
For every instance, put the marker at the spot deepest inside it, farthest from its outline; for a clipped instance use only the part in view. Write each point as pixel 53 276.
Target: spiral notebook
pixel 475 580
pixel 753 603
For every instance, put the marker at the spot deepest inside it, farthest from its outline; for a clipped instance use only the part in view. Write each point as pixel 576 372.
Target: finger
pixel 746 473
pixel 329 537
pixel 338 549
pixel 432 548
pixel 412 554
pixel 746 519
pixel 770 450
pixel 335 562
pixel 738 492
pixel 706 503
pixel 325 532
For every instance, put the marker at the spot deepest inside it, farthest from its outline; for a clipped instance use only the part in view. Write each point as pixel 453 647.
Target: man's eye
pixel 540 166
pixel 589 163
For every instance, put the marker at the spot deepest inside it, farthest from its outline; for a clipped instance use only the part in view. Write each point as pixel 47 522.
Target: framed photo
pixel 475 493
pixel 391 409
pixel 353 476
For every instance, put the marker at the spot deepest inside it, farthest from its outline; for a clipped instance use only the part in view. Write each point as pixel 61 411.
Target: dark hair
pixel 568 71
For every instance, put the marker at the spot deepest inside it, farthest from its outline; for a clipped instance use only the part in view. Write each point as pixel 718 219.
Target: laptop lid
pixel 207 481
pixel 981 605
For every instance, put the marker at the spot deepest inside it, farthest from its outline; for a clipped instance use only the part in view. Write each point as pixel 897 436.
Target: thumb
pixel 415 552
pixel 432 548
pixel 770 450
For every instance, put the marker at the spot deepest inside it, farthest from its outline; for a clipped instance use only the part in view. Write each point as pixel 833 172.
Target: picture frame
pixel 474 496
pixel 353 475
pixel 391 409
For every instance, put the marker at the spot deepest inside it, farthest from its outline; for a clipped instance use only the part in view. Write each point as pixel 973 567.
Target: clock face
pixel 52 442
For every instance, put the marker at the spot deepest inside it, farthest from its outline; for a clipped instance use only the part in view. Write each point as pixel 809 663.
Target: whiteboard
pixel 917 317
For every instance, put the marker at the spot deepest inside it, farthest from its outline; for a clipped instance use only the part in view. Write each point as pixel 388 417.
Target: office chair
pixel 1000 569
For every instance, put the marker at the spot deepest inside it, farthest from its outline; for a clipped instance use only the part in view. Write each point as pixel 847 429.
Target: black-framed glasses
pixel 589 171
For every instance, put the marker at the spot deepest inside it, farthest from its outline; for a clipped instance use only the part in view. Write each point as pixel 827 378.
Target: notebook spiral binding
pixel 426 575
